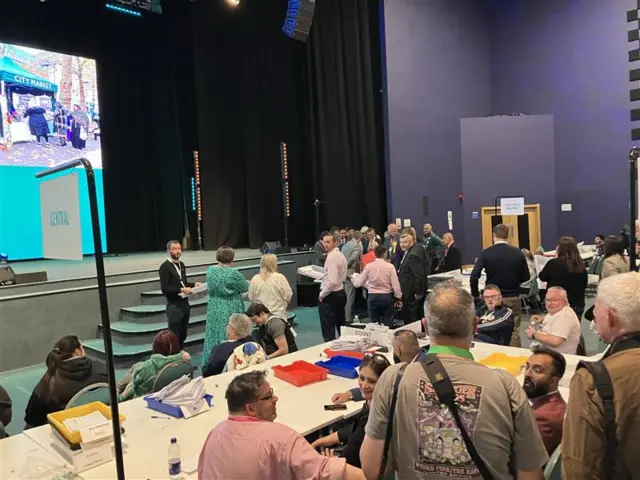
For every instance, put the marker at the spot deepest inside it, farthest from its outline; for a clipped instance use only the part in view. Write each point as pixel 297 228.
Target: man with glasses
pixel 542 374
pixel 560 328
pixel 495 321
pixel 249 445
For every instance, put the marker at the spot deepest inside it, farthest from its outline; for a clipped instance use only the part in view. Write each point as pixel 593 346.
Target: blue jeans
pixel 380 307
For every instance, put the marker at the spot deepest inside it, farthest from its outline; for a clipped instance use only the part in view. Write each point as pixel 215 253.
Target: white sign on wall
pixel 407 222
pixel 512 206
pixel 60 210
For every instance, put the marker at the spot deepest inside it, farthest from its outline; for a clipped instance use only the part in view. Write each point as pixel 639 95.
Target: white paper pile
pixel 86 421
pixel 182 392
pixel 353 344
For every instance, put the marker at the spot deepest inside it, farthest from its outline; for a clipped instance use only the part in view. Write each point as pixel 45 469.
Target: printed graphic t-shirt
pixel 426 442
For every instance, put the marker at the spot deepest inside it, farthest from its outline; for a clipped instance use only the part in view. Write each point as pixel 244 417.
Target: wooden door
pixel 517 238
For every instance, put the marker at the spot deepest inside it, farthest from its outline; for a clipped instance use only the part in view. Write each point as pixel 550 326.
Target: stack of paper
pixel 352 344
pixel 86 421
pixel 182 392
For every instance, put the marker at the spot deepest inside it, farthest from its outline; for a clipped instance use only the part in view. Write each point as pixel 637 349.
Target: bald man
pixel 432 244
pixel 452 255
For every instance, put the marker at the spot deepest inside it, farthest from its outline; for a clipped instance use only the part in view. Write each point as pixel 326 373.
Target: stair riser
pixel 153 299
pixel 158 316
pixel 146 338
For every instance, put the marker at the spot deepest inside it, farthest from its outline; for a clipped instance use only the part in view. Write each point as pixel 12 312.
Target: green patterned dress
pixel 226 286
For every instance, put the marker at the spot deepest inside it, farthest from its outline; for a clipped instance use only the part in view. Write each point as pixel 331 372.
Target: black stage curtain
pixel 345 81
pixel 145 96
pixel 255 88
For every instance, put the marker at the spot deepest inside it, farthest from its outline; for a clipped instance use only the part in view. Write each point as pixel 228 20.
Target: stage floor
pixel 123 263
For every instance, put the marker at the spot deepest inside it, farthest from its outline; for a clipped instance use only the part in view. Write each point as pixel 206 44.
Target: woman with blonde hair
pixel 270 287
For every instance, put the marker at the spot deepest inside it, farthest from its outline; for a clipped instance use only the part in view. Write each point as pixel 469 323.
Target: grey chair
pixel 553 469
pixel 170 373
pixel 96 392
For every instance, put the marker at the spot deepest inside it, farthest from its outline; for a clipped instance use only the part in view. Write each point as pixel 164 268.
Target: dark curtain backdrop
pixel 255 88
pixel 145 99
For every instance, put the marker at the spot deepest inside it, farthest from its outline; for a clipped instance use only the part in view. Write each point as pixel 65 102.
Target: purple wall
pixel 448 60
pixel 437 56
pixel 497 158
pixel 569 58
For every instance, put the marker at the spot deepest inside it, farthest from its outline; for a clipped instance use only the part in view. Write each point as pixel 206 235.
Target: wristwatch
pixel 350 395
pixel 533 335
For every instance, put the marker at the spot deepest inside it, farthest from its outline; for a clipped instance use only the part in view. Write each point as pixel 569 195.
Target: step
pixel 126 355
pixel 136 333
pixel 157 313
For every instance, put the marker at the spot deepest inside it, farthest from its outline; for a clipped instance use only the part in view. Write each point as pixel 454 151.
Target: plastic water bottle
pixel 356 319
pixel 174 460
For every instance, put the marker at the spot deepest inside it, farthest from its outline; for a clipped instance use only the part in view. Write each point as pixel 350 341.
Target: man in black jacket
pixel 412 277
pixel 173 282
pixel 505 267
pixel 452 256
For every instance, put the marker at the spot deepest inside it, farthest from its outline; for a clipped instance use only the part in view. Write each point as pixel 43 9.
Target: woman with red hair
pixel 140 378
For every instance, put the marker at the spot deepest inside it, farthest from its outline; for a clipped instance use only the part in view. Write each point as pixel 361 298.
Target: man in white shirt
pixel 560 328
pixel 332 299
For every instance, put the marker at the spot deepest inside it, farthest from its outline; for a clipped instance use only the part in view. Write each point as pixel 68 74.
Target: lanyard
pixel 177 267
pixel 458 352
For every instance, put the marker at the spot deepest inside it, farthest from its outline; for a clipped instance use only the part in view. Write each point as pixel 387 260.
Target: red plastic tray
pixel 300 373
pixel 332 353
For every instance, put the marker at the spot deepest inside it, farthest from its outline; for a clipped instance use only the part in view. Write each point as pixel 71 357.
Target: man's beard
pixel 175 256
pixel 534 390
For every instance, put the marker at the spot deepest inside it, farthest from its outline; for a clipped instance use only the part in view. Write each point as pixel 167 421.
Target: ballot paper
pixel 195 290
pixel 183 393
pixel 87 421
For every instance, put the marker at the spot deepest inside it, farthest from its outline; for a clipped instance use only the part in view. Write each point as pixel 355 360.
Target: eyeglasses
pixel 376 358
pixel 491 297
pixel 537 369
pixel 266 397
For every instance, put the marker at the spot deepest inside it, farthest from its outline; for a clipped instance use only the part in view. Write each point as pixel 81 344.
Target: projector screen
pixel 49 114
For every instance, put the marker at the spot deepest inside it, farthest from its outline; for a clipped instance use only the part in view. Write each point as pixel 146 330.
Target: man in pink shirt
pixel 381 281
pixel 332 299
pixel 248 445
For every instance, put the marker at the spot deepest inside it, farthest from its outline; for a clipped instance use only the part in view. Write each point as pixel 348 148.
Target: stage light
pixel 118 8
pixel 285 180
pixel 232 3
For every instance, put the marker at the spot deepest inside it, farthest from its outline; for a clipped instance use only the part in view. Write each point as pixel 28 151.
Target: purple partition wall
pixel 508 156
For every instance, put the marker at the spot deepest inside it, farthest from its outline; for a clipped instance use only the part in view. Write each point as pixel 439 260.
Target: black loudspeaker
pixel 425 205
pixel 280 250
pixel 297 25
pixel 270 247
pixel 7 276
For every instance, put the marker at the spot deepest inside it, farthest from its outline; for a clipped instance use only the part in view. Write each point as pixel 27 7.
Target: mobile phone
pixel 341 406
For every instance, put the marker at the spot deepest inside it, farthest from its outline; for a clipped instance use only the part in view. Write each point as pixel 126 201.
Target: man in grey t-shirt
pixel 426 442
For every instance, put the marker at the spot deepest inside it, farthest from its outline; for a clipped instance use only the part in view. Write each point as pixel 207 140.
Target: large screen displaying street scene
pixel 50 114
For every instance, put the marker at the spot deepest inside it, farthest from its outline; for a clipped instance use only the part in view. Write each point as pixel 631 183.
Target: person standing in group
pixel 226 286
pixel 412 277
pixel 452 259
pixel 505 267
pixel 433 245
pixel 173 283
pixel 332 299
pixel 567 271
pixel 352 251
pixel 38 125
pixel 392 242
pixel 381 281
pixel 320 251
pixel 270 287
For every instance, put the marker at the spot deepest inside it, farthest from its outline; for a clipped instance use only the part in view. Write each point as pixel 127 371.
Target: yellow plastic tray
pixel 511 364
pixel 57 419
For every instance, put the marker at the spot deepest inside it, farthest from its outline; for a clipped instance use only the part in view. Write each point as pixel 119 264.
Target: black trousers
pixel 178 314
pixel 409 309
pixel 332 315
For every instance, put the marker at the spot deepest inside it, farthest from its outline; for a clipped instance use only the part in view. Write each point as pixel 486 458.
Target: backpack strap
pixel 446 394
pixel 604 386
pixel 389 432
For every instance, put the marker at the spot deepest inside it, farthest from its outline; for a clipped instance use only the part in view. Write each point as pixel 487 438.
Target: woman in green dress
pixel 226 286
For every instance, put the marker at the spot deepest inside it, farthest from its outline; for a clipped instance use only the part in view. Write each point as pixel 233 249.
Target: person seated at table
pixel 599 243
pixel 249 445
pixel 238 333
pixel 139 380
pixel 352 435
pixel 5 412
pixel 406 349
pixel 542 374
pixel 68 372
pixel 495 321
pixel 560 328
pixel 615 261
pixel 270 287
pixel 275 333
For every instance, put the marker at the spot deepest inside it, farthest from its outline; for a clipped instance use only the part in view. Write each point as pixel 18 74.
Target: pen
pixel 165 418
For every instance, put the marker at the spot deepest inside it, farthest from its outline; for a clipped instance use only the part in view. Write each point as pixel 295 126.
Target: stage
pixel 33 316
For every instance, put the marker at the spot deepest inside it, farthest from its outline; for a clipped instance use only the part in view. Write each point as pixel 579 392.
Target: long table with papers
pixel 146 438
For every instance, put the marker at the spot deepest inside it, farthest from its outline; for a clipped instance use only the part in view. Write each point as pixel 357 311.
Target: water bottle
pixel 174 460
pixel 356 319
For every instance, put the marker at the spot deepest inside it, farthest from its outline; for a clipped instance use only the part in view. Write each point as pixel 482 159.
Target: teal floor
pixel 20 383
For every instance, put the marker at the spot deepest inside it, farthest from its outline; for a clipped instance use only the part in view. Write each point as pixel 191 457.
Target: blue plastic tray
pixel 168 408
pixel 341 366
